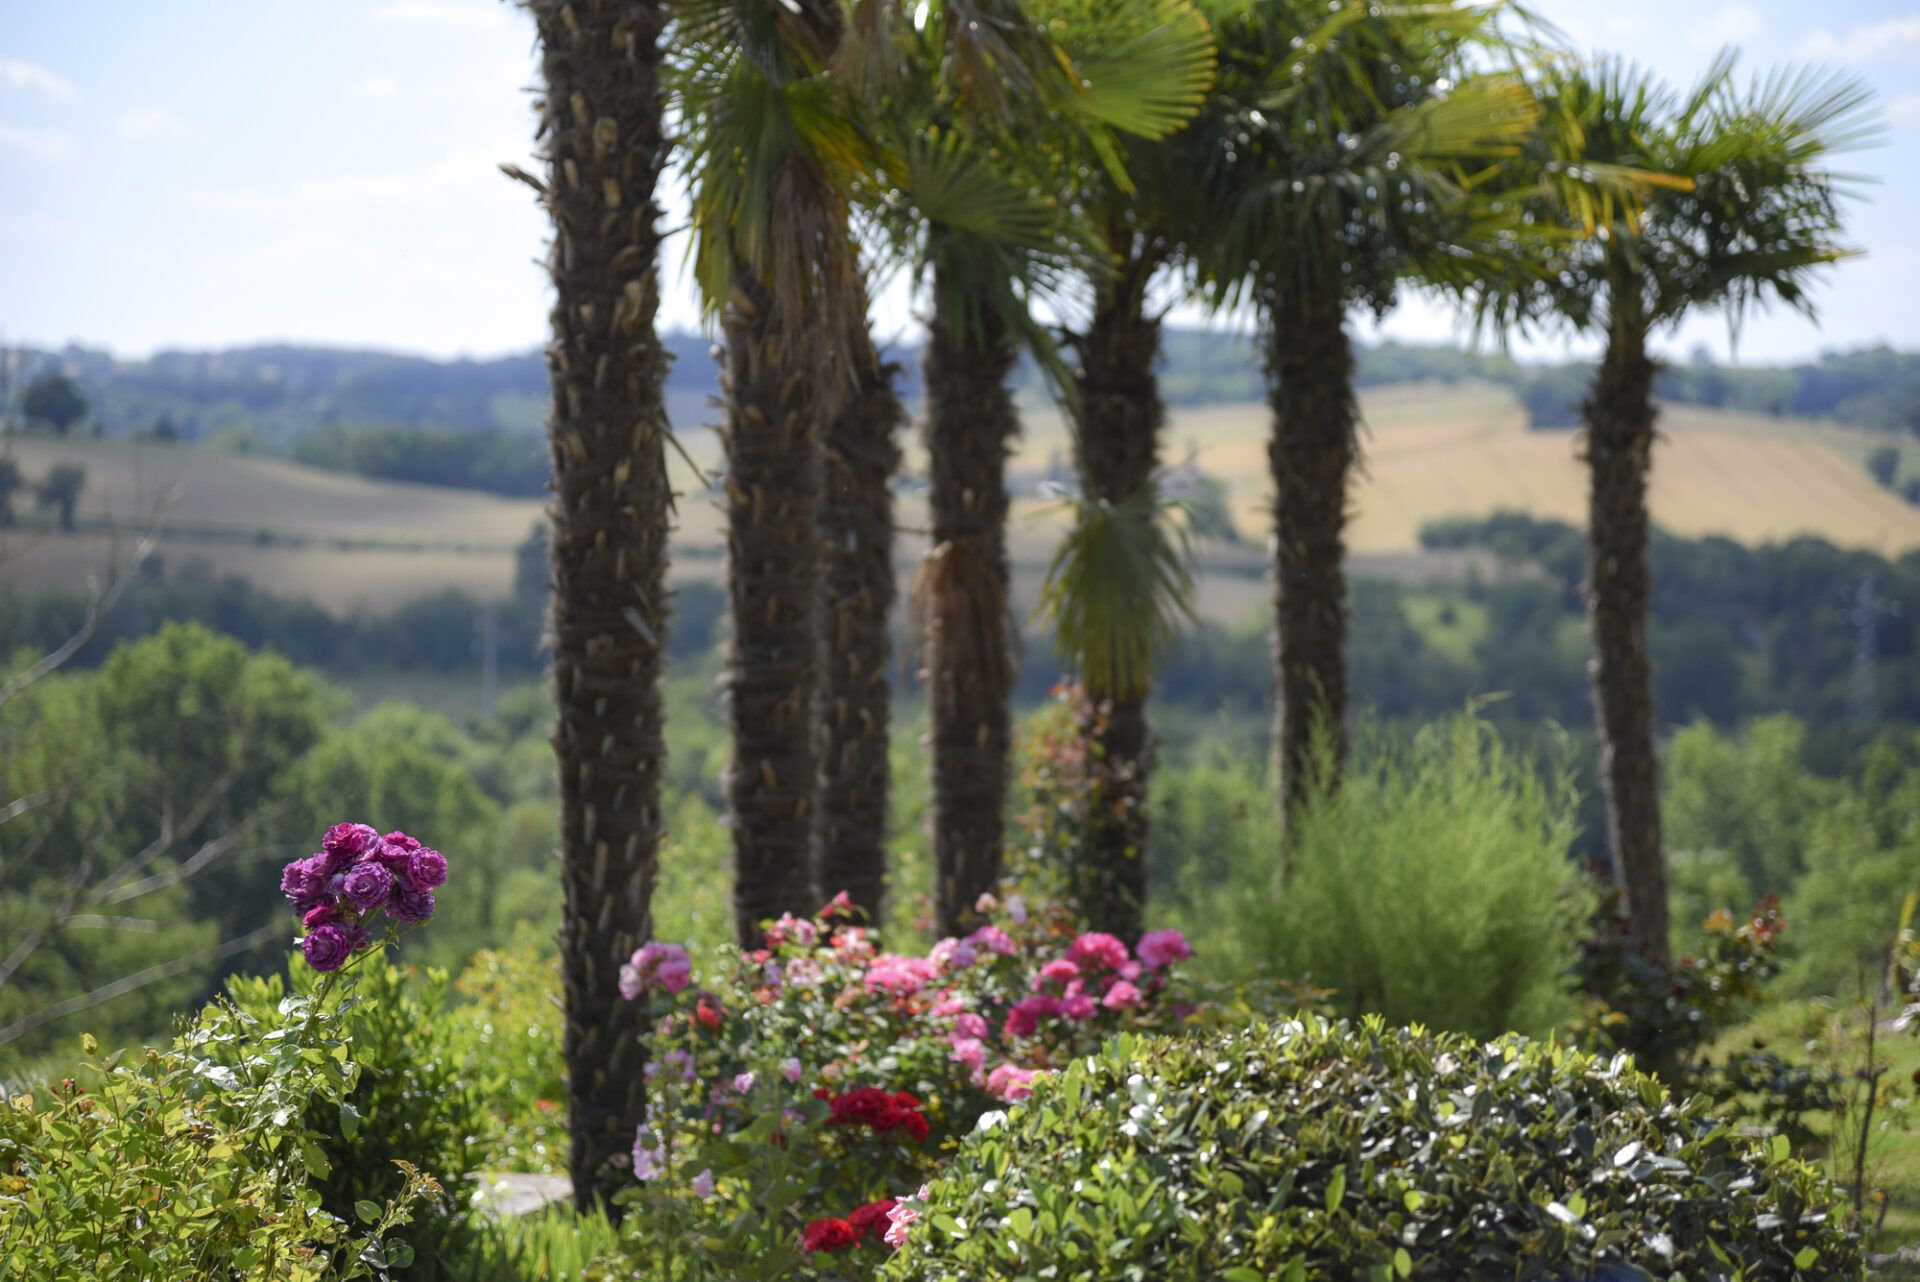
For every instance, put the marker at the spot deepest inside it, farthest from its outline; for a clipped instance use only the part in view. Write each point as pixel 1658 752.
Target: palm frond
pixel 1119 592
pixel 1144 68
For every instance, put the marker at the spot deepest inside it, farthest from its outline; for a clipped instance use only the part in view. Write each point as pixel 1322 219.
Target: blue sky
pixel 212 172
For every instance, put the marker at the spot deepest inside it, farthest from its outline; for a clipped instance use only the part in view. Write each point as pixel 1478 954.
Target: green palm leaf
pixel 1119 592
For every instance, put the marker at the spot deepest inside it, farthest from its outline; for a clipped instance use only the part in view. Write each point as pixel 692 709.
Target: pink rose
pixel 1122 996
pixel 1097 950
pixel 1024 1019
pixel 1160 948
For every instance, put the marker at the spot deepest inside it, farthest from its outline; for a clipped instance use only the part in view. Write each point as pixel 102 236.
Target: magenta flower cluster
pixel 356 875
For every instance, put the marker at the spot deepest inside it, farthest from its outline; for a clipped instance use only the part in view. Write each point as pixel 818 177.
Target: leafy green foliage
pixel 1434 886
pixel 415 1097
pixel 1315 1150
pixel 1337 153
pixel 507 1032
pixel 196 1161
pixel 1724 199
pixel 147 781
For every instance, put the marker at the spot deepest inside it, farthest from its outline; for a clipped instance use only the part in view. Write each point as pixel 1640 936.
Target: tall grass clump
pixel 1436 885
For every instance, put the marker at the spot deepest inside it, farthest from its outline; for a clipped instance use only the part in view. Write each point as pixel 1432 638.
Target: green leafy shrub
pixel 1436 885
pixel 507 1032
pixel 415 1098
pixel 200 1161
pixel 1319 1150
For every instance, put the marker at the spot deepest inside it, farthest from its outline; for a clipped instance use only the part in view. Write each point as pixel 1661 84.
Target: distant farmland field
pixel 1431 451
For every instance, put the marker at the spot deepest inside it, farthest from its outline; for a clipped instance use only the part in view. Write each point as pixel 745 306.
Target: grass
pixel 1430 451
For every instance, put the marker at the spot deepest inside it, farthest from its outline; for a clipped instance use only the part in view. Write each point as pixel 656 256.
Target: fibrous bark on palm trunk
pixel 1312 454
pixel 859 457
pixel 971 423
pixel 601 122
pixel 1619 450
pixel 1119 418
pixel 773 559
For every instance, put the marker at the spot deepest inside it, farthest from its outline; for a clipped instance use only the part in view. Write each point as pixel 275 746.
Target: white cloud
pixel 144 124
pixel 378 87
pixel 1729 24
pixel 444 13
pixel 15 74
pixel 1882 41
pixel 46 144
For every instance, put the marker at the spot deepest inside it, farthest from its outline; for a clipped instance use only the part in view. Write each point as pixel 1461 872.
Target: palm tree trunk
pixel 859 457
pixel 1315 444
pixel 601 121
pixel 971 423
pixel 1119 418
pixel 773 563
pixel 1620 418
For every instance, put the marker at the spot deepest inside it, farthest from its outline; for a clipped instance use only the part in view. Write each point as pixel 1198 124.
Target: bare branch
pixel 97 608
pixel 95 921
pixel 139 979
pixel 14 809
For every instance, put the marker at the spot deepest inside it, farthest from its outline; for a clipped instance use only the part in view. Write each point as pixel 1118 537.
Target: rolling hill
pixel 1432 450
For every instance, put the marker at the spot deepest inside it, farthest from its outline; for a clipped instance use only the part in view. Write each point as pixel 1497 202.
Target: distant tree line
pixel 1736 633
pixel 277 397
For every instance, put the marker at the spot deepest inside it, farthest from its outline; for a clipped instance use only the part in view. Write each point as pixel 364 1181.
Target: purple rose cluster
pixel 355 875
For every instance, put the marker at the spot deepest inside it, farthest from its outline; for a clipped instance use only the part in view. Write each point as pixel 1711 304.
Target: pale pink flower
pixel 790 1069
pixel 1017 910
pixel 994 940
pixel 656 965
pixel 969 1025
pixel 702 1185
pixel 743 1082
pixel 1122 996
pixel 902 1216
pixel 901 976
pixel 954 954
pixel 1011 1082
pixel 970 1051
pixel 1078 1007
pixel 790 928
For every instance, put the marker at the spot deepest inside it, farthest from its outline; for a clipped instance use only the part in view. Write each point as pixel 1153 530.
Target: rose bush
pixel 214 1158
pixel 801 1092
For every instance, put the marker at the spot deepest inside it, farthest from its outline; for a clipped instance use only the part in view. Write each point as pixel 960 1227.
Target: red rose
pixel 871 1220
pixel 828 1235
pixel 707 1016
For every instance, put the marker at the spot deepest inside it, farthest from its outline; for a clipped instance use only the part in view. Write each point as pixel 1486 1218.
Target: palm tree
pixel 774 146
pixel 981 136
pixel 1119 589
pixel 1738 208
pixel 859 457
pixel 601 122
pixel 1334 161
